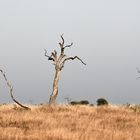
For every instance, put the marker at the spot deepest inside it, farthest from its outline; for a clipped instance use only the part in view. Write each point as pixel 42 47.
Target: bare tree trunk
pixel 59 62
pixel 54 94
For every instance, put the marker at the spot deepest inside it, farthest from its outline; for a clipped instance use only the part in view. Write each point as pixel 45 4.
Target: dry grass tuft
pixel 64 122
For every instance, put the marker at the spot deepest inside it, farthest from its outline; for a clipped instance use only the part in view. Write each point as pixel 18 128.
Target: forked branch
pixel 62 45
pixel 11 92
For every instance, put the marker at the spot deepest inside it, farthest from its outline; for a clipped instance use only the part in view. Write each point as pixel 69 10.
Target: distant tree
pixel 11 91
pixel 102 101
pixel 59 62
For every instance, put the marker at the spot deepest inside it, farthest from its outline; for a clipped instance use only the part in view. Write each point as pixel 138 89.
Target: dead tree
pixel 59 62
pixel 11 91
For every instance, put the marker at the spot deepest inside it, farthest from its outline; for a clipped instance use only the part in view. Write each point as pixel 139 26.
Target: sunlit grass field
pixel 66 122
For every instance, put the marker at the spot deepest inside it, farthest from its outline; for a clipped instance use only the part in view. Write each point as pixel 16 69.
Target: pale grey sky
pixel 105 34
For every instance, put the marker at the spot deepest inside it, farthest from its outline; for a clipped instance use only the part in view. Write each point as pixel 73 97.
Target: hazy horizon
pixel 105 36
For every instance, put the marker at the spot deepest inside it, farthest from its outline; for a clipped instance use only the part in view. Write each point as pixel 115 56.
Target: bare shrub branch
pixel 11 91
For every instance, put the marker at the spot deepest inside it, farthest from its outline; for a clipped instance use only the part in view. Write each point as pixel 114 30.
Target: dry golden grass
pixel 64 122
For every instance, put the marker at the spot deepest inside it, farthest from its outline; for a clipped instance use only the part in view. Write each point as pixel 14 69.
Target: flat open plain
pixel 65 122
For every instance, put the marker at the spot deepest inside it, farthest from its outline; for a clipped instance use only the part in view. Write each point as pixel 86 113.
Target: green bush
pixel 102 101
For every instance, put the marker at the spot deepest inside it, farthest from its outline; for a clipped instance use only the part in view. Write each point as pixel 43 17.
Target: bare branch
pixel 54 54
pixel 63 41
pixel 11 92
pixel 68 46
pixel 49 57
pixel 71 58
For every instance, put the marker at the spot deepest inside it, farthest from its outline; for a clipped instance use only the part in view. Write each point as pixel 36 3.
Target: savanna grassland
pixel 65 122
